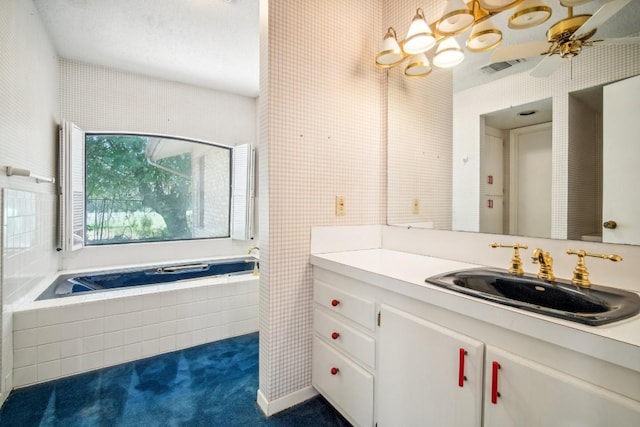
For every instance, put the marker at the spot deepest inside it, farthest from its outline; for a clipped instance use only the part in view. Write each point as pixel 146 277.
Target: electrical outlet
pixel 340 206
pixel 416 206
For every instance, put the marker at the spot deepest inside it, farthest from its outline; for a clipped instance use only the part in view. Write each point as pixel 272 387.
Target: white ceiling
pixel 215 43
pixel 209 43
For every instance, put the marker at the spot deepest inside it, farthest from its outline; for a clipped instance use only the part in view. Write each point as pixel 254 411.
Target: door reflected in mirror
pixel 515 170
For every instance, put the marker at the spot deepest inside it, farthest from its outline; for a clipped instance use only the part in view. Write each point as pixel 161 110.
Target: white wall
pixel 29 112
pixel 320 136
pixel 103 99
pixel 583 71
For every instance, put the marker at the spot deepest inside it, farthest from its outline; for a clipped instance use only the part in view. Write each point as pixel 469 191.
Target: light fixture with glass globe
pixel 457 18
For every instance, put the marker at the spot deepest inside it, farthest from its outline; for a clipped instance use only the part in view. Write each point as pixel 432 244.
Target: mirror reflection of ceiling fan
pixel 565 38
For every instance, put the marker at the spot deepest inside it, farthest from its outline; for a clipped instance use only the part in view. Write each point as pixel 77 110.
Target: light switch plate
pixel 340 206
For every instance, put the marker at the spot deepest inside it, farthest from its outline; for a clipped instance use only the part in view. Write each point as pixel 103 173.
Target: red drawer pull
pixel 335 302
pixel 335 335
pixel 494 382
pixel 461 377
pixel 334 371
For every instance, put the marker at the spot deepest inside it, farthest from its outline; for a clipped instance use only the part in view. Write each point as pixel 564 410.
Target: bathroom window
pixel 150 188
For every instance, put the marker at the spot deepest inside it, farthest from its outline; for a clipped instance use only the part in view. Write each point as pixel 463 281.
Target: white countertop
pixel 405 273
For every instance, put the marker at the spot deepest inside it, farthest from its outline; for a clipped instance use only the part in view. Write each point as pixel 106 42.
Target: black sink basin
pixel 597 305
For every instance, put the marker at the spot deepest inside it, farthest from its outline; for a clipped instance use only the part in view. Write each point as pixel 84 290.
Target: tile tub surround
pixel 62 337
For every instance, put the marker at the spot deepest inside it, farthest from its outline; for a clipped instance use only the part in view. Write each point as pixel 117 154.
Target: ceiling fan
pixel 565 38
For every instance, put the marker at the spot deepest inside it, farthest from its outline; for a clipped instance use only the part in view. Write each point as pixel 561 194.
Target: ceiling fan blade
pixel 620 40
pixel 601 16
pixel 517 51
pixel 547 66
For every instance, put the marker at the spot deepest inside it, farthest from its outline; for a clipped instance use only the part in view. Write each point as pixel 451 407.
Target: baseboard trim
pixel 273 407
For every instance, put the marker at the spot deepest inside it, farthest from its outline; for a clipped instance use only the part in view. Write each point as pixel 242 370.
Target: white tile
pixel 167 328
pixel 71 347
pixel 132 351
pixel 70 365
pixel 150 332
pixel 184 340
pixel 166 344
pixel 48 334
pixel 133 319
pixel 25 357
pixel 132 335
pixel 48 352
pixel 24 376
pixel 92 310
pixel 150 317
pixel 48 371
pixel 92 361
pixel 151 301
pixel 113 339
pixel 150 347
pixel 115 323
pixel 25 338
pixel 92 344
pixel 113 307
pixel 113 356
pixel 93 326
pixel 168 313
pixel 73 313
pixel 182 326
pixel 71 330
pixel 199 308
pixel 24 320
pixel 50 316
pixel 199 336
pixel 133 304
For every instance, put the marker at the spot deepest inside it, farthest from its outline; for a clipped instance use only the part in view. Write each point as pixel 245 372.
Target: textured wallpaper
pixel 320 136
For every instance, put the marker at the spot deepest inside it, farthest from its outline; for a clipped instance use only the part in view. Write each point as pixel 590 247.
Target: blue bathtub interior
pixel 72 284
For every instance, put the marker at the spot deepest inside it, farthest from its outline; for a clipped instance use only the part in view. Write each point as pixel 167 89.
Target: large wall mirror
pixel 482 149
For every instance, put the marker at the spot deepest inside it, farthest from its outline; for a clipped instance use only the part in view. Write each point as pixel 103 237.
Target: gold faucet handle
pixel 516 262
pixel 580 273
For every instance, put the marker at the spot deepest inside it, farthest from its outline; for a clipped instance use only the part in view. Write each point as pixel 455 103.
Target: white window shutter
pixel 72 176
pixel 242 192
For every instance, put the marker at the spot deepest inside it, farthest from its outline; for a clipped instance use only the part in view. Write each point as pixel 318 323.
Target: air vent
pixel 499 66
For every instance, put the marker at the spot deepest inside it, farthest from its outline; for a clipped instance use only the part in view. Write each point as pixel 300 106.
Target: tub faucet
pixel 546 264
pixel 256 271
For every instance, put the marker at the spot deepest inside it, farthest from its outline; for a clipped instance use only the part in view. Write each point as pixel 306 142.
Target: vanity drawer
pixel 345 338
pixel 343 383
pixel 359 310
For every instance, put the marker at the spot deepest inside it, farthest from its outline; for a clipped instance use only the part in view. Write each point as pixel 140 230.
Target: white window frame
pixel 71 189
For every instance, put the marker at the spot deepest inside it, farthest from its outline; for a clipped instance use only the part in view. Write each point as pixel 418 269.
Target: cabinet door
pixel 421 374
pixel 529 394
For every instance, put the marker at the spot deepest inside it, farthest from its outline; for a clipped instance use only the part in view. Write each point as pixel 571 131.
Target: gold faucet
pixel 256 272
pixel 516 262
pixel 580 273
pixel 546 264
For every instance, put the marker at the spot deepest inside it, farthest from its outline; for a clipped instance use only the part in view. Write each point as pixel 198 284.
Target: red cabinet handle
pixel 335 335
pixel 461 376
pixel 335 302
pixel 494 382
pixel 334 371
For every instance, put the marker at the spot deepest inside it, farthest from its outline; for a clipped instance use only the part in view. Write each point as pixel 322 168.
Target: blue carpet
pixel 209 385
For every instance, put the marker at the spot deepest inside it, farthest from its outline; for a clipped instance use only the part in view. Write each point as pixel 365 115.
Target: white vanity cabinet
pixel 423 364
pixel 520 392
pixel 344 351
pixel 427 375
